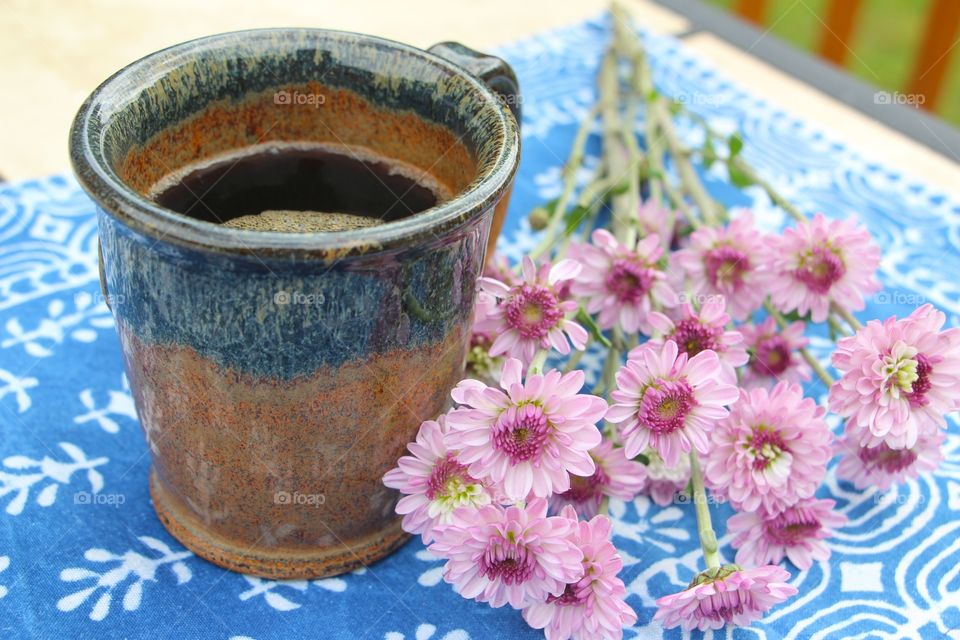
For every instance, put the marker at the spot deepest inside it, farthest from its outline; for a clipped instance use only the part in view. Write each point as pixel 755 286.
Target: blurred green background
pixel 885 42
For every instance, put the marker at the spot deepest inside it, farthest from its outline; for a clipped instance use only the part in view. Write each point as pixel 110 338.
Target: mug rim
pixel 121 201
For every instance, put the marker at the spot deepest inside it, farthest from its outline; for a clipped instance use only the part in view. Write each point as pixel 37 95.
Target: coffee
pixel 299 188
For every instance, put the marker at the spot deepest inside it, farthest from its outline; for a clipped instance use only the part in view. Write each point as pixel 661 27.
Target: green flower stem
pixel 837 327
pixel 536 365
pixel 708 538
pixel 775 197
pixel 848 317
pixel 591 198
pixel 569 183
pixel 709 208
pixel 573 361
pixel 804 352
pixel 610 365
pixel 617 159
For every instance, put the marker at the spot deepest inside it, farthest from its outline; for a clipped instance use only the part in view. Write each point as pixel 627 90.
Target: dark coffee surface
pixel 293 179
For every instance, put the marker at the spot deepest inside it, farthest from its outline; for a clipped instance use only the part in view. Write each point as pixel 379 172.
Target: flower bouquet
pixel 703 319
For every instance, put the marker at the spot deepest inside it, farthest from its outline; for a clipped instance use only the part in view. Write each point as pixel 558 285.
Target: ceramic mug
pixel 278 376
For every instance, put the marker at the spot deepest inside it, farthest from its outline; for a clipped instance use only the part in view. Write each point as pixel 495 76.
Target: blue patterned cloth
pixel 83 556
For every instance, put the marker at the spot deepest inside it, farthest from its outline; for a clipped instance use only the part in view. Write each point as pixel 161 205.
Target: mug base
pixel 276 565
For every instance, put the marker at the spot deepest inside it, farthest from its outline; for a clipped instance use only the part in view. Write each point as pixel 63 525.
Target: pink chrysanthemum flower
pixel 531 435
pixel 796 533
pixel 498 268
pixel 728 595
pixel 531 314
pixel 900 377
pixel 695 332
pixel 621 285
pixel 773 354
pixel 819 263
pixel 654 218
pixel 724 262
pixel 616 476
pixel 883 467
pixel 433 482
pixel 771 451
pixel 509 555
pixel 668 401
pixel 593 607
pixel 664 482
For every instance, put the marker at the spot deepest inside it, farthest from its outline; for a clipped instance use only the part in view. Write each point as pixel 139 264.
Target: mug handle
pixel 497 75
pixel 494 72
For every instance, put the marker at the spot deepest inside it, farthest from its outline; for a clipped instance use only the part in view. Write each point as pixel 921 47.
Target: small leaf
pixel 620 188
pixel 155 544
pixel 74 600
pixel 431 578
pixel 735 143
pixel 550 205
pixel 586 320
pixel 99 555
pixel 95 480
pixel 102 608
pixel 77 573
pixel 48 496
pixel 182 572
pixel 84 335
pixel 280 603
pixel 131 599
pixel 574 218
pixel 337 585
pixel 425 631
pixel 709 153
pixel 37 350
pixel 14 327
pixel 15 506
pixel 72 450
pixel 19 462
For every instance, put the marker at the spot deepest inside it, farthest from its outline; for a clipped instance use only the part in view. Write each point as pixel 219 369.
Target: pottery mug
pixel 277 376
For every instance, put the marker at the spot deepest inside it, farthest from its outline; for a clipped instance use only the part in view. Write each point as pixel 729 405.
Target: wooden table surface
pixel 56 53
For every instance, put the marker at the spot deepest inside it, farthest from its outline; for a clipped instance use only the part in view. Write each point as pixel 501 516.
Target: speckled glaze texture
pixel 278 376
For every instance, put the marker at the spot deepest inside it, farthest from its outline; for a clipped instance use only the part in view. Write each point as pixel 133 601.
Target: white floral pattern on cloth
pixel 4 565
pixel 103 568
pixel 20 475
pixel 123 573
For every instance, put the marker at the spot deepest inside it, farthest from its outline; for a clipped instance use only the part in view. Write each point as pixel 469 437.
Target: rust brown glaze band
pixel 283 565
pixel 251 471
